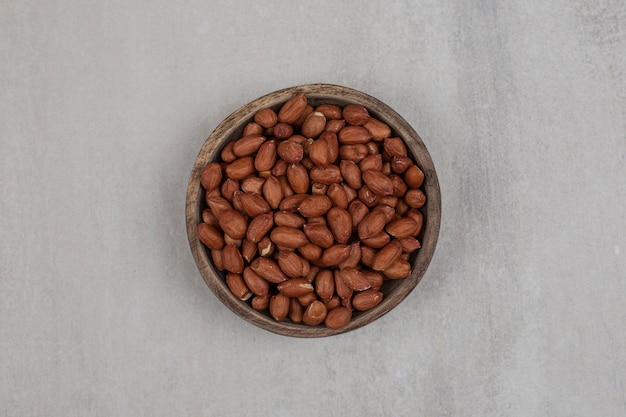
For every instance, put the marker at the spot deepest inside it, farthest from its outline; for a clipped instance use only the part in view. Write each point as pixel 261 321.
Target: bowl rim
pixel 327 93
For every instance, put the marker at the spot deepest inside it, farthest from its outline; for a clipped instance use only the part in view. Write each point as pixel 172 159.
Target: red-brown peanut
pixel 311 211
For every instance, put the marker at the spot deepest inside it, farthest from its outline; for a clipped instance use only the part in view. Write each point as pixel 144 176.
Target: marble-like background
pixel 105 104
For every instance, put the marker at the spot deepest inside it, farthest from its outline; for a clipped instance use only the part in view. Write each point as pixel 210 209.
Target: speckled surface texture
pixel 104 106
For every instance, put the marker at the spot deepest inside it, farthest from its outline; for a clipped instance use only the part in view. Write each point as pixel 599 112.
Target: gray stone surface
pixel 104 106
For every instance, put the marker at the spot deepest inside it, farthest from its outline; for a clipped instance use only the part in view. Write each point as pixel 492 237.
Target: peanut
pixel 311 211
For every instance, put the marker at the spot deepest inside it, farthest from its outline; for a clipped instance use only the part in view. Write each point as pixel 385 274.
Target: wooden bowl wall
pixel 231 129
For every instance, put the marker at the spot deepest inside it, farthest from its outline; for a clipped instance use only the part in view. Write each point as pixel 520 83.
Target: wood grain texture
pixel 230 129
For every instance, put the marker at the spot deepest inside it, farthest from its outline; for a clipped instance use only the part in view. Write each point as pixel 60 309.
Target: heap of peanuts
pixel 311 211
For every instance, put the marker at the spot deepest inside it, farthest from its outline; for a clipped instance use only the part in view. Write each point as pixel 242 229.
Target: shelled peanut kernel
pixel 311 210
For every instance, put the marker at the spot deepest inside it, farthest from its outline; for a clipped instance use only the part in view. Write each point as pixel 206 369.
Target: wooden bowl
pixel 231 129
